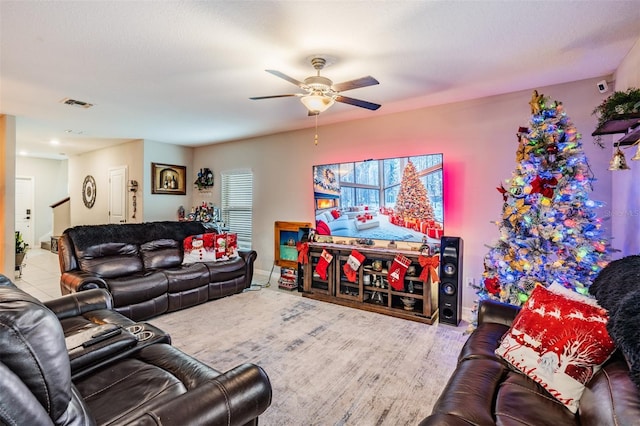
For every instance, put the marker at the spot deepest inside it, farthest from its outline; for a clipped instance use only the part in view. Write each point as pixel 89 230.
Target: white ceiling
pixel 182 72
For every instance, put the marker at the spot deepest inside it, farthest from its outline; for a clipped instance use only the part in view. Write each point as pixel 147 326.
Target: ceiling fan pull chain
pixel 316 138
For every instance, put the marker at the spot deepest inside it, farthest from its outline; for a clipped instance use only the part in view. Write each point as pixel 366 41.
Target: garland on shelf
pixel 616 104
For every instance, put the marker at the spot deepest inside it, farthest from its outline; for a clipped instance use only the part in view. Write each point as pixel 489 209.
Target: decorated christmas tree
pixel 413 201
pixel 549 231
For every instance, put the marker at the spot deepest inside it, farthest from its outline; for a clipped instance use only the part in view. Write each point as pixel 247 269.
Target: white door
pixel 118 195
pixel 24 208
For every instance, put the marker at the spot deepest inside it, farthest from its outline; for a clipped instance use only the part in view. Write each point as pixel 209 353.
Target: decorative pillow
pixel 328 216
pixel 220 246
pixel 335 213
pixel 232 245
pixel 322 228
pixel 560 340
pixel 199 248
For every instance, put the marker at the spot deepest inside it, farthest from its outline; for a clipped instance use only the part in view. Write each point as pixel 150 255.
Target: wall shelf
pixel 624 123
pixel 630 138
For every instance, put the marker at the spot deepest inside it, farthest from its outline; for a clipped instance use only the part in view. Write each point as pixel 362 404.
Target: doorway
pixel 118 194
pixel 24 208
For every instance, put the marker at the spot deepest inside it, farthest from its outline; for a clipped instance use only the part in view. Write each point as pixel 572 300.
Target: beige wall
pixel 476 137
pixel 626 203
pixel 97 164
pixel 165 206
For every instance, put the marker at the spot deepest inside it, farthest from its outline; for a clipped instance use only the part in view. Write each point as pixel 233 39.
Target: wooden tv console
pixel 371 291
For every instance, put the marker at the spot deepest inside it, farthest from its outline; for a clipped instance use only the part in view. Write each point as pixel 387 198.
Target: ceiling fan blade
pixel 286 77
pixel 357 102
pixel 255 98
pixel 355 84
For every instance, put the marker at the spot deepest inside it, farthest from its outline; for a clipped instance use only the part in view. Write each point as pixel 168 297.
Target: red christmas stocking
pixel 350 268
pixel 397 271
pixel 323 263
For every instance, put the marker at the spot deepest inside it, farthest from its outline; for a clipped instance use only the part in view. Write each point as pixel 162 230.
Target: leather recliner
pixel 157 384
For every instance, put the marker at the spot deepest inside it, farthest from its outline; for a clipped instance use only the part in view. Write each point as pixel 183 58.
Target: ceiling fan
pixel 321 93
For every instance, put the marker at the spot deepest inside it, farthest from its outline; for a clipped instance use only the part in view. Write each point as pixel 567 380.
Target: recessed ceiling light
pixel 54 142
pixel 23 152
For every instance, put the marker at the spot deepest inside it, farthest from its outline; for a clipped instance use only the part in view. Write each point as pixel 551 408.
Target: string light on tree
pixel 549 230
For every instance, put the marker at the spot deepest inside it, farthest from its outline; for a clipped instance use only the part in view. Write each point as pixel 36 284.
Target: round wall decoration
pixel 89 191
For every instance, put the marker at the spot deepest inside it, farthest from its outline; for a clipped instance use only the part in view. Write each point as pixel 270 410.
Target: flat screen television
pixel 399 199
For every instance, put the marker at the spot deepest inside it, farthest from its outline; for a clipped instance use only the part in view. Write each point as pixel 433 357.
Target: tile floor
pixel 41 276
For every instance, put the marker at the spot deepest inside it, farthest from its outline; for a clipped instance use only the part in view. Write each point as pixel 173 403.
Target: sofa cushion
pixel 226 269
pixel 110 260
pixel 610 397
pixel 186 277
pixel 137 288
pixel 134 387
pixel 520 400
pixel 160 254
pixel 558 341
pixel 471 391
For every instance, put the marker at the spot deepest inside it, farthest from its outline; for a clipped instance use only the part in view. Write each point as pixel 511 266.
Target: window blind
pixel 237 205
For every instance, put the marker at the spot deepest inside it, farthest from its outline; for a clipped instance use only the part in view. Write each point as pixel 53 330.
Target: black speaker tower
pixel 450 287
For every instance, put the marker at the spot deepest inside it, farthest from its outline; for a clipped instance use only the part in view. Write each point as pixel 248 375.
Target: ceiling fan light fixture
pixel 317 103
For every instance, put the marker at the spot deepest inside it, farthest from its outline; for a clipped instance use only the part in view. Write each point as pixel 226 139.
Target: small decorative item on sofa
pixel 559 339
pixel 210 247
pixel 199 248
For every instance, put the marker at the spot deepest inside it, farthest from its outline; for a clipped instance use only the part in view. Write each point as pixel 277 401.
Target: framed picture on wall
pixel 168 179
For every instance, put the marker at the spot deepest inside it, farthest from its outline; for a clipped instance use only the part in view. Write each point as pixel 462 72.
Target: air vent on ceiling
pixel 75 103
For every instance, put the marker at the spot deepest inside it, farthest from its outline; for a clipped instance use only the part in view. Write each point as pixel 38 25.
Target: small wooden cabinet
pixel 371 291
pixel 286 237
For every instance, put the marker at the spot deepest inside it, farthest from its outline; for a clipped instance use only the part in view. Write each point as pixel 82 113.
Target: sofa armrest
pixel 497 312
pixel 236 397
pixel 75 304
pixel 249 257
pixel 76 280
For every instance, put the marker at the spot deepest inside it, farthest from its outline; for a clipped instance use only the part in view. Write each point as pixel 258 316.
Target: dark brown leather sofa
pixel 483 390
pixel 151 384
pixel 140 264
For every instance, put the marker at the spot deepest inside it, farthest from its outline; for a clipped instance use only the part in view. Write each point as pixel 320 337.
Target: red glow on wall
pixel 453 179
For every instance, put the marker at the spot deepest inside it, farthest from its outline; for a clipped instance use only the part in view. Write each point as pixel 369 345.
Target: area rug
pixel 328 364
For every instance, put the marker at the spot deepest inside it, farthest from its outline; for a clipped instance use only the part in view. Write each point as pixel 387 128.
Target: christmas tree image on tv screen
pixel 399 199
